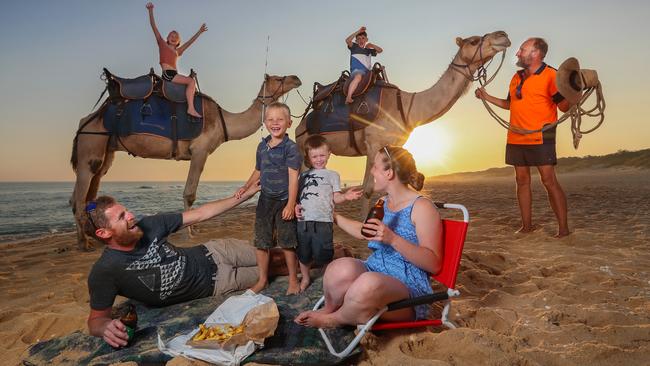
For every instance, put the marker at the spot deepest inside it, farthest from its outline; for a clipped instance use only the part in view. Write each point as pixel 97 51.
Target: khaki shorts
pixel 236 265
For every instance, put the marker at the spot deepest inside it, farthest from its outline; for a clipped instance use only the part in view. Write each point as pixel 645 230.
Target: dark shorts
pixel 168 75
pixel 270 227
pixel 530 155
pixel 315 242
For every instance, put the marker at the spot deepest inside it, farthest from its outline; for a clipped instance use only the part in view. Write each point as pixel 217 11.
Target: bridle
pixel 481 74
pixel 263 98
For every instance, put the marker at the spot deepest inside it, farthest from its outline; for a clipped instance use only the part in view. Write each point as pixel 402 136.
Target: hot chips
pixel 218 333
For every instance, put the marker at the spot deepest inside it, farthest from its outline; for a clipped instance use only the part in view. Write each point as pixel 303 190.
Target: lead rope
pixel 575 113
pixel 266 65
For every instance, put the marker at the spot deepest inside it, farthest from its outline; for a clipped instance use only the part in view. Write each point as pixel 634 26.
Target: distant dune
pixel 621 159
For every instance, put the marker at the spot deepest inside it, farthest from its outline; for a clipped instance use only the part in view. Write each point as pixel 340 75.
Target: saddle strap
pixel 400 106
pixel 174 126
pixel 101 96
pixel 223 123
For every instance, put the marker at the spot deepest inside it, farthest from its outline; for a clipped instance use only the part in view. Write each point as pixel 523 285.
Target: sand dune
pixel 525 299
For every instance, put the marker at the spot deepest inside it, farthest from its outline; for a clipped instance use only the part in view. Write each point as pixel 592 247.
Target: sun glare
pixel 429 145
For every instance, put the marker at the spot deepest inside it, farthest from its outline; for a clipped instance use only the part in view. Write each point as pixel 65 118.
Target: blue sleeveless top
pixel 386 260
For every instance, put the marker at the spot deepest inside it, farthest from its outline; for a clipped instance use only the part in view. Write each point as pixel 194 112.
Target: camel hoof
pixel 192 231
pixel 87 247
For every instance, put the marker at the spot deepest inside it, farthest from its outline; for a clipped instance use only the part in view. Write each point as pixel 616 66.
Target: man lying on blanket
pixel 139 263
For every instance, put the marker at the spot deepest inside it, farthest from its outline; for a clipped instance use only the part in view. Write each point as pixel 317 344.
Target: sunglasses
pixel 90 208
pixel 388 153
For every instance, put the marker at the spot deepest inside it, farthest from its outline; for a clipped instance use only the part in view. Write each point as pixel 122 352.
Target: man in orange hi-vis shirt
pixel 533 100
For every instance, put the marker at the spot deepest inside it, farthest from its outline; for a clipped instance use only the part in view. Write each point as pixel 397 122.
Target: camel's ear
pixel 459 41
pixel 266 76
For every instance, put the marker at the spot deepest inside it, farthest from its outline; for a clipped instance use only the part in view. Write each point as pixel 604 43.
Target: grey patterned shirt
pixel 154 272
pixel 316 194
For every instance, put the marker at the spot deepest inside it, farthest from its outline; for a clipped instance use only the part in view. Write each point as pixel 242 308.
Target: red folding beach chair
pixel 453 234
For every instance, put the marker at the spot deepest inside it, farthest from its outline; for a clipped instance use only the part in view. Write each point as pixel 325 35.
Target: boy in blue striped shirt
pixel 277 163
pixel 360 58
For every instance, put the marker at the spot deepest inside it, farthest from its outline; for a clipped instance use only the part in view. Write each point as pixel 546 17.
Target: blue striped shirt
pixel 360 57
pixel 272 163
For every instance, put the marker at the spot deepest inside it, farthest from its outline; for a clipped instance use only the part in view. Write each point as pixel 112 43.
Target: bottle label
pixel 130 331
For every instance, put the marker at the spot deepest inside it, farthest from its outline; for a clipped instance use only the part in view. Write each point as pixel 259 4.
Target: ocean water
pixel 35 209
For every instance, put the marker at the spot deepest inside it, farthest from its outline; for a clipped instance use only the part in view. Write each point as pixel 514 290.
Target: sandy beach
pixel 526 299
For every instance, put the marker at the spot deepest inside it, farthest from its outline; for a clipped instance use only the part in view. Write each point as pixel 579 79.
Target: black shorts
pixel 530 155
pixel 168 75
pixel 270 227
pixel 315 242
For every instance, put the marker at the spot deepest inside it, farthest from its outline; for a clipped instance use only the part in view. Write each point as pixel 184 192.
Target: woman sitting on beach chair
pixel 406 246
pixel 170 50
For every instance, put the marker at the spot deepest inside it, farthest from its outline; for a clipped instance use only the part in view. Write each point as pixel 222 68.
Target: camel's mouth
pixel 500 46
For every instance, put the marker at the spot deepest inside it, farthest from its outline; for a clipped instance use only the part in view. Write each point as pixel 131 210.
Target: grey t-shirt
pixel 155 272
pixel 316 194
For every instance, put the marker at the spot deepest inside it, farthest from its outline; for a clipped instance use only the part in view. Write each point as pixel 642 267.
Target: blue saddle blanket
pixel 333 115
pixel 153 116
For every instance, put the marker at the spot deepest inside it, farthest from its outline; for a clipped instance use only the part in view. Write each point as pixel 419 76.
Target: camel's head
pixel 475 51
pixel 276 86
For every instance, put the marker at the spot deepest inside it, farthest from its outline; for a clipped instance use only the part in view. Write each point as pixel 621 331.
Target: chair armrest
pixel 420 300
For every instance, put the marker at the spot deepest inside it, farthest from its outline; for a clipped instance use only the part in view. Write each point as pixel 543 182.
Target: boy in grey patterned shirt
pixel 320 189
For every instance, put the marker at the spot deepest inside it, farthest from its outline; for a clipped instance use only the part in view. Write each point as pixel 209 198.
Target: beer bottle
pixel 376 212
pixel 130 321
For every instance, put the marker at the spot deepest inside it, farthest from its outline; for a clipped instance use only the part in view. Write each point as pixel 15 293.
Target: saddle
pixel 343 82
pixel 330 113
pixel 149 105
pixel 143 86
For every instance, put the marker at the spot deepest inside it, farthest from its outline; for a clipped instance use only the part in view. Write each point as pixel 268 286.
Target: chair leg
pixel 444 318
pixel 362 328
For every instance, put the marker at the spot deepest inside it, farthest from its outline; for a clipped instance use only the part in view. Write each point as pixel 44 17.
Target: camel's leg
pixel 94 183
pixel 90 151
pixel 78 202
pixel 368 184
pixel 196 168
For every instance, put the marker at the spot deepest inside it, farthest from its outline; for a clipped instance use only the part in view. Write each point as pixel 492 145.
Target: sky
pixel 54 51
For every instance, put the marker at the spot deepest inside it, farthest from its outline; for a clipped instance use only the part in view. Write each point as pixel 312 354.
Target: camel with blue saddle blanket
pixel 397 112
pixel 147 118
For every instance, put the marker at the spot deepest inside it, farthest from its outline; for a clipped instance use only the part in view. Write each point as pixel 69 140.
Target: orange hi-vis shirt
pixel 533 104
pixel 167 54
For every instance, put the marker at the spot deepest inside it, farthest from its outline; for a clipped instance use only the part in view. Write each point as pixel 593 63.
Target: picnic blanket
pixel 290 345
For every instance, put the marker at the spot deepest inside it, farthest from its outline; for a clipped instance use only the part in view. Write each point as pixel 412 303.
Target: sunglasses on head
pixel 90 208
pixel 387 152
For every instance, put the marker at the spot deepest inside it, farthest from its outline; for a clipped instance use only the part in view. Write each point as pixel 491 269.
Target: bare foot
pixel 194 114
pixel 304 283
pixel 294 287
pixel 349 100
pixel 316 319
pixel 259 286
pixel 527 229
pixel 562 234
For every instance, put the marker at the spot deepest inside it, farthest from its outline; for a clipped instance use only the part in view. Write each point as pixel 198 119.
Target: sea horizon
pixel 35 209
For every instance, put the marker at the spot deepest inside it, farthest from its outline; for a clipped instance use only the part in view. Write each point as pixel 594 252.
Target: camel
pixel 92 154
pixel 420 108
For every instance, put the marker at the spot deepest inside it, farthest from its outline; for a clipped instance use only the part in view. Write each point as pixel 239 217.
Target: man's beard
pixel 521 62
pixel 130 237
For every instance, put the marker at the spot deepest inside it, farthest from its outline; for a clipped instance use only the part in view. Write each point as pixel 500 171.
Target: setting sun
pixel 429 145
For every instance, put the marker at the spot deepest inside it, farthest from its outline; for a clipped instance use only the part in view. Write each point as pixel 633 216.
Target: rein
pixel 481 71
pixel 262 98
pixel 575 113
